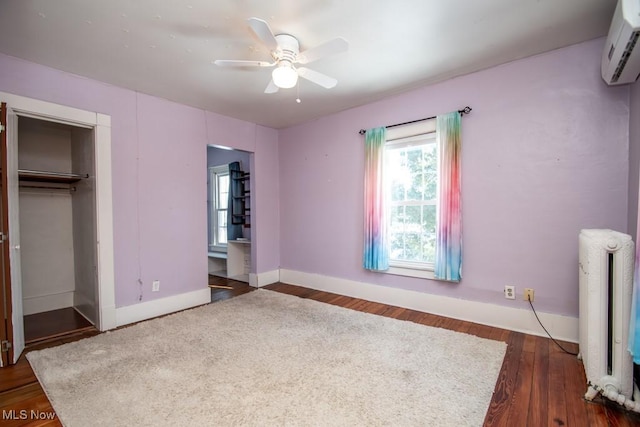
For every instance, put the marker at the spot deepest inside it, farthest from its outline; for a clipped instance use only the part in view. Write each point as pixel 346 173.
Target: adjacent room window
pixel 219 202
pixel 410 189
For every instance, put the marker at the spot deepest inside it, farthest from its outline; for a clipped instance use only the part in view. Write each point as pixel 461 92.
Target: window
pixel 412 206
pixel 219 201
pixel 411 183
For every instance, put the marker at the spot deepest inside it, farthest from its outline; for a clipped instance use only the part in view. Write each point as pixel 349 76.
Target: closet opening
pixel 57 223
pixel 56 178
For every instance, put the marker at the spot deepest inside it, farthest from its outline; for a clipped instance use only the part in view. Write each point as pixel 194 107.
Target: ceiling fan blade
pixel 264 33
pixel 240 63
pixel 271 88
pixel 337 45
pixel 317 78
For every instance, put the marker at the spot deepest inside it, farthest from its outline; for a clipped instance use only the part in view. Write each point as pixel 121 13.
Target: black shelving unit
pixel 241 204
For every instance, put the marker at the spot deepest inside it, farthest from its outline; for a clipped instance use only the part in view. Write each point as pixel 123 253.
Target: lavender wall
pixel 266 201
pixel 634 159
pixel 544 155
pixel 159 161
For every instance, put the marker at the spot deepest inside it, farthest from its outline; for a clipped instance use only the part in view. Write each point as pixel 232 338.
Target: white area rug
pixel 266 358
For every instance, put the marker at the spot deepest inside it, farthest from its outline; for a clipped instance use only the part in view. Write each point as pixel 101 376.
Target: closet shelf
pixel 46 176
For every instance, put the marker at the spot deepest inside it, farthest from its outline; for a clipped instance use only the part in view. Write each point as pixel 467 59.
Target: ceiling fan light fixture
pixel 285 76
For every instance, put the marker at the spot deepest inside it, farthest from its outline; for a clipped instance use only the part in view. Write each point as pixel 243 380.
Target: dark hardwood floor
pixel 21 391
pixel 52 324
pixel 538 385
pixel 222 288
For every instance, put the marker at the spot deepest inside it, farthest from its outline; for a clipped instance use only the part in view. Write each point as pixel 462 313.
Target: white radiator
pixel 606 282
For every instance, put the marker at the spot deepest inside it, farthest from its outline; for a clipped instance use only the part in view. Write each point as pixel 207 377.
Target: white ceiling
pixel 166 48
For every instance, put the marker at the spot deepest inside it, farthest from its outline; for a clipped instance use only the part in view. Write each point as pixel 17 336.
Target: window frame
pixel 405 135
pixel 215 172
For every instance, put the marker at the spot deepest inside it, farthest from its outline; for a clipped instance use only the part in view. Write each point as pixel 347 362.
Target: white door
pixel 17 321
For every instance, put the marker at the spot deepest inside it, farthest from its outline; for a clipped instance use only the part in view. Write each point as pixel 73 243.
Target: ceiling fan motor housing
pixel 288 48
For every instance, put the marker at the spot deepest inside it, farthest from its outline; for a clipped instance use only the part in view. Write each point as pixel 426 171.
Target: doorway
pixel 229 217
pixel 46 182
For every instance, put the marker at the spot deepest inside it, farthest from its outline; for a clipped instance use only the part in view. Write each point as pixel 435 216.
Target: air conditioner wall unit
pixel 621 55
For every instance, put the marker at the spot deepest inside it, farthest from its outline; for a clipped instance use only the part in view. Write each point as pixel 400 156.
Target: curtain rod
pixel 465 110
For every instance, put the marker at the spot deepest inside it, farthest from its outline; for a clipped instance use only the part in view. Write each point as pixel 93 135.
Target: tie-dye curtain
pixel 376 252
pixel 448 265
pixel 634 327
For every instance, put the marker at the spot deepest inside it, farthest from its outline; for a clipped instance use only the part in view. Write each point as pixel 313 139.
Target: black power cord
pixel 545 329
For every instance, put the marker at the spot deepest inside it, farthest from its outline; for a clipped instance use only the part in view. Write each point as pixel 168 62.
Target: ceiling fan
pixel 286 55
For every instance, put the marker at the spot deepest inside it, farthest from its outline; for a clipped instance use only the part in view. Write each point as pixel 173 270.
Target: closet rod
pixel 60 174
pixel 48 188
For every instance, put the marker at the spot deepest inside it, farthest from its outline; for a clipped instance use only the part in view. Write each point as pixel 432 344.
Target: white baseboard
pixel 560 327
pixel 159 307
pixel 42 303
pixel 107 318
pixel 263 279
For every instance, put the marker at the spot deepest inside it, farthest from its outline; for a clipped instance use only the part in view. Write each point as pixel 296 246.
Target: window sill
pixel 410 272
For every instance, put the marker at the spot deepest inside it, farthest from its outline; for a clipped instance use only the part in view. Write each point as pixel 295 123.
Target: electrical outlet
pixel 510 292
pixel 155 286
pixel 528 294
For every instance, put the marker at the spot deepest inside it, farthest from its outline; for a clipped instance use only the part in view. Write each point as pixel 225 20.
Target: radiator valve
pixel 609 389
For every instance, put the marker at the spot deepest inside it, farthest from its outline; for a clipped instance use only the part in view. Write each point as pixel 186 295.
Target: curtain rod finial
pixel 362 131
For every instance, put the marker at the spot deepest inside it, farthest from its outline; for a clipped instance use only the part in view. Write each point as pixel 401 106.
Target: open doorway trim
pixel 101 125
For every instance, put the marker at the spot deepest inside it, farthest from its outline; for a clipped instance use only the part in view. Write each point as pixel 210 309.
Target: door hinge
pixel 3 237
pixel 2 128
pixel 6 345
